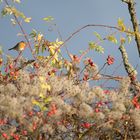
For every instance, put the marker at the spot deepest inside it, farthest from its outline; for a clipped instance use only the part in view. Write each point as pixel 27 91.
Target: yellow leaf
pixel 112 39
pixel 122 40
pixel 35 102
pixel 28 19
pixel 41 95
pixel 44 108
pixel 46 86
pixel 49 99
pixel 121 24
pixel 39 37
pixel 52 50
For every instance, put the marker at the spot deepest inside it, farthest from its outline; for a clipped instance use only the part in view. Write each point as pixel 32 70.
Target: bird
pixel 20 46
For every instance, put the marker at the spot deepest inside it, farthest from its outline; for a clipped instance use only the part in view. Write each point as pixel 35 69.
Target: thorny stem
pixel 25 35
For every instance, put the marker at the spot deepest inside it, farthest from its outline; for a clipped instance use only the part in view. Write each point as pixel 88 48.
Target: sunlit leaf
pixel 37 49
pixel 98 36
pixel 92 45
pixel 13 21
pixel 8 10
pixel 41 95
pixel 39 37
pixel 33 33
pixel 112 39
pixel 121 24
pixel 4 12
pixel 28 19
pixel 44 108
pixel 35 102
pixel 43 49
pixel 99 49
pixel 49 99
pixel 122 40
pixel 45 86
pixel 48 19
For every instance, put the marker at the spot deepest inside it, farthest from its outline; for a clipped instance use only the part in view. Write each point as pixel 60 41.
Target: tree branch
pixel 22 30
pixel 132 73
pixel 132 12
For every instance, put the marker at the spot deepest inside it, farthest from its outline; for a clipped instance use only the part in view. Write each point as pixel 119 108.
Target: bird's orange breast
pixel 22 46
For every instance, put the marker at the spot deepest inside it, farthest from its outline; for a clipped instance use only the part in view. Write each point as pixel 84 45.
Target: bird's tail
pixel 10 49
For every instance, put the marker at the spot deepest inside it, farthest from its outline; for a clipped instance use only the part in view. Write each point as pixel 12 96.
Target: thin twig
pixel 77 31
pixel 21 28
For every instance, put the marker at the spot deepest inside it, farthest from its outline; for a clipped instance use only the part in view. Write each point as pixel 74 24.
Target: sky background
pixel 69 16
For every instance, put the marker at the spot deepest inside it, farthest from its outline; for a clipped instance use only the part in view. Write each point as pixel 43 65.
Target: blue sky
pixel 70 15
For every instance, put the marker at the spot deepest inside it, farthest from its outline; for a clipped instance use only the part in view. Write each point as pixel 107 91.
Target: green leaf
pixel 37 49
pixel 4 12
pixel 92 45
pixel 47 100
pixel 112 39
pixel 43 49
pixel 33 33
pixel 99 49
pixel 98 36
pixel 48 19
pixel 8 10
pixel 121 24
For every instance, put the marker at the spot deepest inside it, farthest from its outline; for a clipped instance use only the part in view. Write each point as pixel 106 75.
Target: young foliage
pixel 48 19
pixel 97 48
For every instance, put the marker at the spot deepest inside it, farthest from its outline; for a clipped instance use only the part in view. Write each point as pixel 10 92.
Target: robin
pixel 19 46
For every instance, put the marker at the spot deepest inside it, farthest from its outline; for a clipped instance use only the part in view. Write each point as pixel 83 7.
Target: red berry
pixel 110 60
pixel 86 125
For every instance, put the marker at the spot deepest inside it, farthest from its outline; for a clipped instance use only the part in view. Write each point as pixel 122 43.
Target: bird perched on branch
pixel 19 46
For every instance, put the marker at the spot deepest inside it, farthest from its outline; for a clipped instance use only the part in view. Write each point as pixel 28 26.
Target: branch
pixel 21 28
pixel 88 25
pixel 129 69
pixel 132 12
